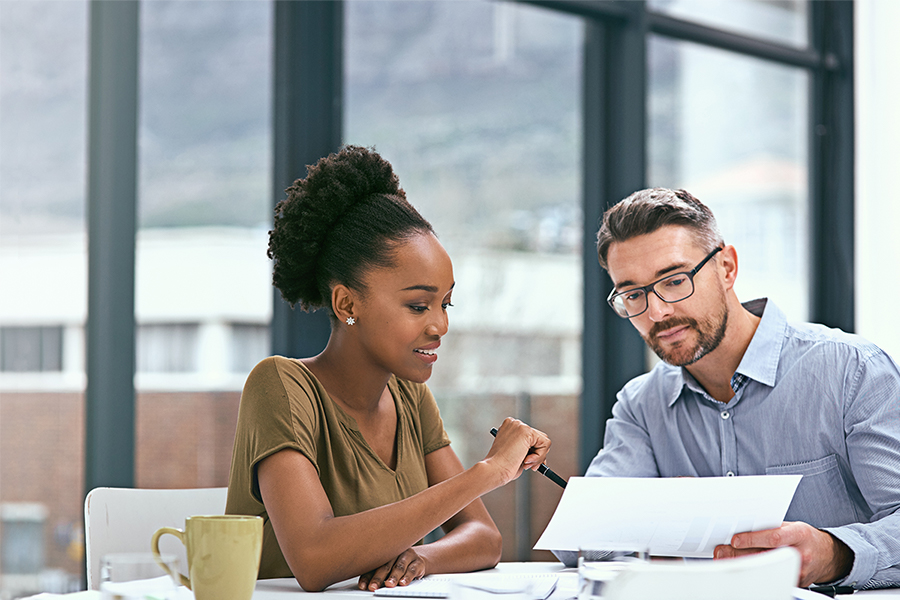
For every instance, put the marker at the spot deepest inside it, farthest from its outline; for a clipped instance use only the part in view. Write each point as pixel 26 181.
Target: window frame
pixel 308 49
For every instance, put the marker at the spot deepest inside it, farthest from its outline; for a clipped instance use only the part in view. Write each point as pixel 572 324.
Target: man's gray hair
pixel 647 210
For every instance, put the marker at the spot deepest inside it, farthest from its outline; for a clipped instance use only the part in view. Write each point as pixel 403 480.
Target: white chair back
pixel 124 519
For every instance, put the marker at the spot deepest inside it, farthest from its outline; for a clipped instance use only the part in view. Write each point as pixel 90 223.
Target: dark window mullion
pixel 688 31
pixel 831 174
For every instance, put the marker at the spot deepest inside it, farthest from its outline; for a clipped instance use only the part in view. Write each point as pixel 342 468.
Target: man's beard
pixel 710 333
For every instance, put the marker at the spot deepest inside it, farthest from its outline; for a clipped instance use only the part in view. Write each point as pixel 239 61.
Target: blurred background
pixel 511 125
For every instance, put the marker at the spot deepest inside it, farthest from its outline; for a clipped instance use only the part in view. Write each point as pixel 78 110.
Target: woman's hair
pixel 645 211
pixel 346 217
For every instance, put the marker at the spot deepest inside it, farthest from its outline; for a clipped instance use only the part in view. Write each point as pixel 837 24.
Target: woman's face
pixel 403 313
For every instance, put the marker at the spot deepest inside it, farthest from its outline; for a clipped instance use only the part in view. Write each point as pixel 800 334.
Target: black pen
pixel 832 590
pixel 543 469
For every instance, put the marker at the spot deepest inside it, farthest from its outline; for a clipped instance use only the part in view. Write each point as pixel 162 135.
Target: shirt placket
pixel 729 443
pixel 726 427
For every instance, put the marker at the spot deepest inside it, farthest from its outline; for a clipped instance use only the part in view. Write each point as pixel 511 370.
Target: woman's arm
pixel 471 541
pixel 321 549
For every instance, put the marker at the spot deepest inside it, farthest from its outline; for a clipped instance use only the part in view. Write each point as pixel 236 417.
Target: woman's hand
pixel 400 571
pixel 517 447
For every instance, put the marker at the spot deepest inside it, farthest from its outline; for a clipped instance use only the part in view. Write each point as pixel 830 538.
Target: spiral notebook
pixel 438 586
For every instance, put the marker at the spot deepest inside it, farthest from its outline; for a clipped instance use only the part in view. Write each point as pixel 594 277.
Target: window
pixel 31 349
pixel 783 21
pixel 732 130
pixel 249 344
pixel 169 348
pixel 478 107
pixel 43 92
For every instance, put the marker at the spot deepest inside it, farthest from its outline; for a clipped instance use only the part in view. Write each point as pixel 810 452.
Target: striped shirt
pixel 809 400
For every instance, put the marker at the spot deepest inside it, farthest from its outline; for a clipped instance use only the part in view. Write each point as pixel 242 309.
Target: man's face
pixel 680 333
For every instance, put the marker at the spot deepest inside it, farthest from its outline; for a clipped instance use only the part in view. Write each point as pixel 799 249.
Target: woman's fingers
pixel 400 571
pixel 517 447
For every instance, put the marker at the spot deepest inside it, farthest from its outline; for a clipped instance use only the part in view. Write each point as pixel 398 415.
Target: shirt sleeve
pixel 273 418
pixel 434 437
pixel 872 430
pixel 626 451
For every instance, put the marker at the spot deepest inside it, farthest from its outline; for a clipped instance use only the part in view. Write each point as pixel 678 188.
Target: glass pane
pixel 477 106
pixel 43 298
pixel 204 209
pixel 732 130
pixel 782 21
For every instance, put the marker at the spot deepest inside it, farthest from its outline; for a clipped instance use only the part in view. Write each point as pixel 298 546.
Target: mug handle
pixel 154 544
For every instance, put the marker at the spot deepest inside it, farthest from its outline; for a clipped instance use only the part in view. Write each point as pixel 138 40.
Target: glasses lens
pixel 675 287
pixel 630 303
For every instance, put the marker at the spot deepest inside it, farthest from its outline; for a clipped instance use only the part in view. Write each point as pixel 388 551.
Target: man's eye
pixel 675 281
pixel 635 295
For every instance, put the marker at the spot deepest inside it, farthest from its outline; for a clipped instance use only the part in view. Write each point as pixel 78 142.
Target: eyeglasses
pixel 669 289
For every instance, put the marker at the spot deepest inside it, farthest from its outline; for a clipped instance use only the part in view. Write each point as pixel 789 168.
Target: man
pixel 741 391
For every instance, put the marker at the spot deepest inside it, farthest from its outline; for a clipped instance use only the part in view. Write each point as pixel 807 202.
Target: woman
pixel 344 454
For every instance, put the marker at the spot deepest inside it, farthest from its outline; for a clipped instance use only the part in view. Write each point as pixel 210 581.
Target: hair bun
pixel 314 206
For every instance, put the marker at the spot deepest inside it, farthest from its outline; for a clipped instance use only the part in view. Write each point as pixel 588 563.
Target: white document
pixel 669 516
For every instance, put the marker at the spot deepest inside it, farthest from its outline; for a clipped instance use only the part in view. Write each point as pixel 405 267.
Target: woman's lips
pixel 427 353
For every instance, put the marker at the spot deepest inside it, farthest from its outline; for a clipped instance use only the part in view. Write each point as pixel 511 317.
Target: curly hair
pixel 645 211
pixel 346 217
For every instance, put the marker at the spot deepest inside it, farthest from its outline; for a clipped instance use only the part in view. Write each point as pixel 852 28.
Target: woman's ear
pixel 342 303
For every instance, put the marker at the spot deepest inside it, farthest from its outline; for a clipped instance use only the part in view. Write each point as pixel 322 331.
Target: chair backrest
pixel 124 519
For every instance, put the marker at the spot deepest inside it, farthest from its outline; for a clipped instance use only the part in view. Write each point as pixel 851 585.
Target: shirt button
pixel 729 474
pixel 725 414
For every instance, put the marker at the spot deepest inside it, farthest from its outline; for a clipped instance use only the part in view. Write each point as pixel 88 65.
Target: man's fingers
pixel 768 538
pixel 732 552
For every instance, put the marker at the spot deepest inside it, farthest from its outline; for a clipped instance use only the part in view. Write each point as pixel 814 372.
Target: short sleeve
pixel 433 435
pixel 271 419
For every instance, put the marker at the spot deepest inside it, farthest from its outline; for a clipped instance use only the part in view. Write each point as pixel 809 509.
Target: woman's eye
pixel 417 308
pixel 446 304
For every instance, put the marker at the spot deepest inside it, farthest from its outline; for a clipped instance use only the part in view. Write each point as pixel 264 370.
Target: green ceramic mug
pixel 223 553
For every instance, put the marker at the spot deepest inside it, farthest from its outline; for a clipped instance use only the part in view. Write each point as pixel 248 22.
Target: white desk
pixel 282 589
pixel 285 589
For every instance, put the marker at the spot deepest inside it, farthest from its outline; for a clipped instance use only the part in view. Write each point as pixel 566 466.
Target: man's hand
pixel 824 558
pixel 400 571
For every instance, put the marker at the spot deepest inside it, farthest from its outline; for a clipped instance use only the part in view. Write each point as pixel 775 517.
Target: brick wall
pixel 183 440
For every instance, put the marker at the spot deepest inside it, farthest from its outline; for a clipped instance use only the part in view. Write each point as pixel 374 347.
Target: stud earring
pixel 350 320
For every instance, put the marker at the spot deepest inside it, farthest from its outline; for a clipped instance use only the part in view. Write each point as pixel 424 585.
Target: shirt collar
pixel 760 360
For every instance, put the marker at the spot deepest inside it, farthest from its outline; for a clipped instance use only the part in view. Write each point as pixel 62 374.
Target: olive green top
pixel 283 405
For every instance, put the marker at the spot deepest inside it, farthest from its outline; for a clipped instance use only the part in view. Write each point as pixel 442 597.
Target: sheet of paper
pixel 670 516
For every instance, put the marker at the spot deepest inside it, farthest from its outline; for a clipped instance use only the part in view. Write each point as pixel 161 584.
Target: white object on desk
pixel 540 585
pixel 671 516
pixel 766 576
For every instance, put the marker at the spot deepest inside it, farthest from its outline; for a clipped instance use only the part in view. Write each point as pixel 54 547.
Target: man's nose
pixel 658 309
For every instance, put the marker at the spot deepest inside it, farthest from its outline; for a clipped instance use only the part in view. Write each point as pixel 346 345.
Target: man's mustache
pixel 670 323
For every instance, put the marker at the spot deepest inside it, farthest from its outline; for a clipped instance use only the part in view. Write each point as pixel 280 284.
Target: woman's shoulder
pixel 286 377
pixel 281 367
